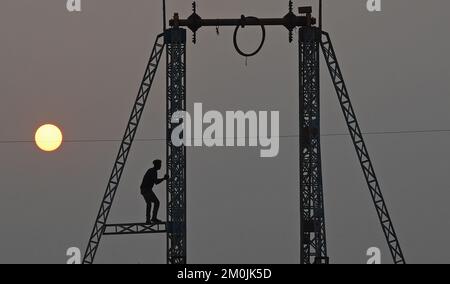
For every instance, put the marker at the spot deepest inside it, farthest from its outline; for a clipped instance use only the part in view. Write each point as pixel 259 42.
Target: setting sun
pixel 48 138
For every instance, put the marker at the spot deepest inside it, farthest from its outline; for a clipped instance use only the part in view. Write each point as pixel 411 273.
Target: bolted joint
pixel 194 22
pixel 290 22
pixel 176 20
pixel 305 10
pixel 243 21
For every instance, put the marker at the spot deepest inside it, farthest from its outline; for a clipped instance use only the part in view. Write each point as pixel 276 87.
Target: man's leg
pixel 156 205
pixel 148 200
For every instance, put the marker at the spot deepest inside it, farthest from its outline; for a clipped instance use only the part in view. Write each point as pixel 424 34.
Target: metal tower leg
pixel 176 156
pixel 125 147
pixel 361 149
pixel 313 234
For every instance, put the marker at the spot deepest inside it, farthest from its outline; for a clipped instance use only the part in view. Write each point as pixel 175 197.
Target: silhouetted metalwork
pixel 313 234
pixel 320 14
pixel 238 49
pixel 124 150
pixel 290 21
pixel 134 229
pixel 361 149
pixel 176 156
pixel 164 16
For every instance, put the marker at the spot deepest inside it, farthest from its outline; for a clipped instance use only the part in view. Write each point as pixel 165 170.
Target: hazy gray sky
pixel 82 71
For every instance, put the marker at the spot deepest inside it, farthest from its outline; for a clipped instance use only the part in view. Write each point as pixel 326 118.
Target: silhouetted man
pixel 150 180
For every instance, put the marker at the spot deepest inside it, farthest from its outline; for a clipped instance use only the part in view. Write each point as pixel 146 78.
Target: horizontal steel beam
pixel 298 21
pixel 135 229
pixel 290 21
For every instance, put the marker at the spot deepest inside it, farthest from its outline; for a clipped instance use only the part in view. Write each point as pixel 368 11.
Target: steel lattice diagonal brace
pixel 124 150
pixel 361 149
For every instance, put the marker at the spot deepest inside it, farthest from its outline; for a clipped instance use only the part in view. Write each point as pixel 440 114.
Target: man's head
pixel 157 164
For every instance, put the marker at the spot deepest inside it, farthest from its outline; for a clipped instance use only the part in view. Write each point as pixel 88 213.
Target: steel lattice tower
pixel 176 156
pixel 312 39
pixel 313 235
pixel 101 227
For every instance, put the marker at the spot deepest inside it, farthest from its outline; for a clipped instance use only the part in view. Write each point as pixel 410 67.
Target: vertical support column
pixel 176 156
pixel 313 234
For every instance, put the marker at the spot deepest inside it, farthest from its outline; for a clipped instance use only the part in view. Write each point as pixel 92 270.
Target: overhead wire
pixel 292 136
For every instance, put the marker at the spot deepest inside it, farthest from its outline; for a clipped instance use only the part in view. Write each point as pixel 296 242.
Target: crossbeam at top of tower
pixel 290 21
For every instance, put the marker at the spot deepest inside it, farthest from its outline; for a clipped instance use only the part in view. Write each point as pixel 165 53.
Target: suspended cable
pixel 377 133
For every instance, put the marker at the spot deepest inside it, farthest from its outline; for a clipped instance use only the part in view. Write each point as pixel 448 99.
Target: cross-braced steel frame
pixel 175 43
pixel 361 149
pixel 119 165
pixel 313 233
pixel 176 156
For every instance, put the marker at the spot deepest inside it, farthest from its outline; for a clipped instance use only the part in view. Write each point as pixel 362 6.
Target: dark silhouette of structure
pixel 312 39
pixel 150 180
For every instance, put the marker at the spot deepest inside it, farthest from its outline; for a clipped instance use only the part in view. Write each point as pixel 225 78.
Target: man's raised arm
pixel 158 181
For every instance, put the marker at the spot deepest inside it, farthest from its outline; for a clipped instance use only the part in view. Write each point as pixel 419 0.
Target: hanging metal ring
pixel 236 46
